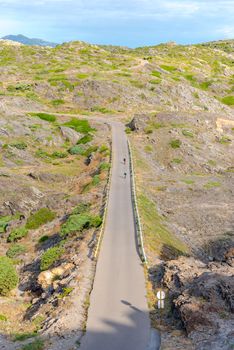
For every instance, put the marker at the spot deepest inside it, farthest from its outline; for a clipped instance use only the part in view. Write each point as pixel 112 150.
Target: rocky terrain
pixel 177 104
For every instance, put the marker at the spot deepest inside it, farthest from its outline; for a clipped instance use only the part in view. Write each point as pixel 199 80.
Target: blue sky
pixel 121 22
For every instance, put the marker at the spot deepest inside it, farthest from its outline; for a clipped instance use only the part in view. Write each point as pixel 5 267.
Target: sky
pixel 130 23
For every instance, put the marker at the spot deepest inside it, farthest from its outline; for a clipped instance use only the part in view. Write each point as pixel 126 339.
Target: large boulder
pixel 70 134
pixel 49 278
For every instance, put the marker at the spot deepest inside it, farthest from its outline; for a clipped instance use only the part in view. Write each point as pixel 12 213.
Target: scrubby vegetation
pixel 50 256
pixel 8 276
pixel 40 217
pixel 15 250
pixel 17 234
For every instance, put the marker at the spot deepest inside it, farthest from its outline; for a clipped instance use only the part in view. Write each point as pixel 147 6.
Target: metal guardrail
pixel 140 240
pixel 105 201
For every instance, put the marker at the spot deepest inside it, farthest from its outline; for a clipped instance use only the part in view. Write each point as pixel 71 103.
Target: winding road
pixel 118 317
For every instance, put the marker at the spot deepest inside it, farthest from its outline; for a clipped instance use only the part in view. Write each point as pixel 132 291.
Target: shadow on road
pixel 125 334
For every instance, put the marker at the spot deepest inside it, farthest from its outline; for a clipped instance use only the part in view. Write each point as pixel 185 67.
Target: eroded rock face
pixel 203 296
pixel 48 278
pixel 70 135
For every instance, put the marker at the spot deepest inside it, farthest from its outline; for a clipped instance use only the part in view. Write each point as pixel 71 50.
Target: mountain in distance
pixel 29 41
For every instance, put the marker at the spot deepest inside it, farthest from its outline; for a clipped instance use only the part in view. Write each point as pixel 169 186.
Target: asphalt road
pixel 118 316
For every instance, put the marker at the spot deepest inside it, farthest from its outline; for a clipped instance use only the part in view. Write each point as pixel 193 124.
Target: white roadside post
pixel 161 295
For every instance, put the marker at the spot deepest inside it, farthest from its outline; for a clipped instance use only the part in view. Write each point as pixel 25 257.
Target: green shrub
pixel 205 85
pixel 3 318
pixel 90 150
pixel 96 180
pixel 128 130
pixel 24 336
pixel 58 154
pixel 104 166
pixel 8 276
pixel 155 73
pixel 86 139
pixel 187 133
pixel 228 100
pixel 77 223
pixel 77 149
pixel 50 256
pixel 4 221
pixel 175 143
pixel 19 145
pixel 103 148
pixel 19 87
pixel 66 291
pixel 56 103
pixel 81 208
pixel 43 239
pixel 17 234
pixel 41 217
pixel 44 116
pixel 15 250
pixel 38 344
pixel 168 68
pixel 190 78
pixel 79 125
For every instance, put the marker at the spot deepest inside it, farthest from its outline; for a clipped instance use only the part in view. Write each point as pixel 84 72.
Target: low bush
pixel 8 276
pixel 77 149
pixel 43 239
pixel 104 166
pixel 40 217
pixel 155 73
pixel 3 318
pixel 58 154
pixel 17 234
pixel 175 143
pixel 66 291
pixel 15 250
pixel 86 139
pixel 205 85
pixel 50 256
pixel 228 100
pixel 77 223
pixel 44 116
pixel 56 103
pixel 19 145
pixel 81 208
pixel 187 133
pixel 81 126
pixel 38 344
pixel 24 336
pixel 103 148
pixel 4 221
pixel 168 68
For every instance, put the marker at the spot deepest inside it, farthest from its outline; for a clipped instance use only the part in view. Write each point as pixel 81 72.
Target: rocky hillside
pixel 177 103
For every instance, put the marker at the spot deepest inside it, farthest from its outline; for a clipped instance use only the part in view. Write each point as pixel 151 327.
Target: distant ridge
pixel 28 41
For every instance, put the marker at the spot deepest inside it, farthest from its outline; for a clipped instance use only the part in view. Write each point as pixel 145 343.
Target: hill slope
pixel 178 103
pixel 28 41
